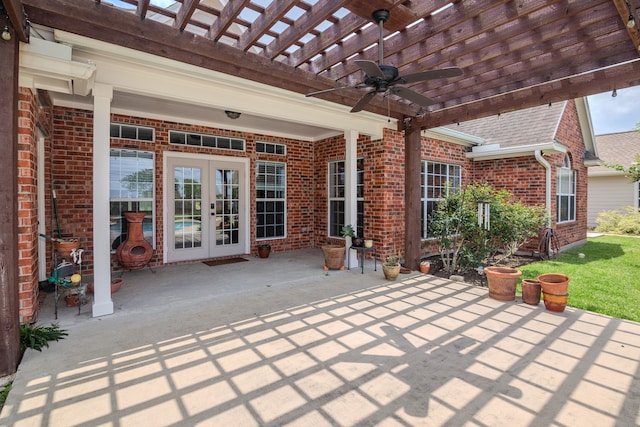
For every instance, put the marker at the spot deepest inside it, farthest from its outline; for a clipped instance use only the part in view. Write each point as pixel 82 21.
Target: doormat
pixel 214 262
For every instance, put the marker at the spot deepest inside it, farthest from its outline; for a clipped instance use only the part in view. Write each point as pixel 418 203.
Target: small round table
pixel 361 250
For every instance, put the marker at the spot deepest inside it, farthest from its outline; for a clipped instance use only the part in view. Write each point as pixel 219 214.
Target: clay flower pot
pixel 391 272
pixel 425 266
pixel 502 282
pixel 333 257
pixel 65 247
pixel 264 251
pixel 554 283
pixel 531 291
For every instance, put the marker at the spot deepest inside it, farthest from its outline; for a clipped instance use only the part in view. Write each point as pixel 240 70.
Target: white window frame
pixel 275 187
pixel 133 196
pixel 451 179
pixel 336 194
pixel 566 191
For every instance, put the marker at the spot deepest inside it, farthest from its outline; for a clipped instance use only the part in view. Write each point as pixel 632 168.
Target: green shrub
pixel 38 337
pixel 466 244
pixel 617 222
pixel 4 393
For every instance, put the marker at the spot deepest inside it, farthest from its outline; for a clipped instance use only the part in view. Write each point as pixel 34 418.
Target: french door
pixel 206 209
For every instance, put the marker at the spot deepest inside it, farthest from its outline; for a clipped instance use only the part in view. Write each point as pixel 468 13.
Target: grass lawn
pixel 606 280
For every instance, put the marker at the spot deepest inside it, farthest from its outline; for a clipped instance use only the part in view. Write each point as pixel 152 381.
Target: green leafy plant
pixel 347 231
pixel 4 393
pixel 465 242
pixel 619 222
pixel 38 337
pixel 392 261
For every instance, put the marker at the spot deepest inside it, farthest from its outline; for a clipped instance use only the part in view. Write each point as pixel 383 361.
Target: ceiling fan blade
pixel 412 96
pixel 370 68
pixel 362 102
pixel 430 75
pixel 333 89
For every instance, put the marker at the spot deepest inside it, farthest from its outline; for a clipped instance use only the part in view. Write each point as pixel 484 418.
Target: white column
pixel 102 303
pixel 350 183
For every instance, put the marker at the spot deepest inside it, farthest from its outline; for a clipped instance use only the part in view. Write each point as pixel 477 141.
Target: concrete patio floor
pixel 278 341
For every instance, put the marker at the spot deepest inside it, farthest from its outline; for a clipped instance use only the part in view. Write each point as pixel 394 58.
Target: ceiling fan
pixel 382 78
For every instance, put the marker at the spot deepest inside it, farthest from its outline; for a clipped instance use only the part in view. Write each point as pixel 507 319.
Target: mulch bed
pixel 472 276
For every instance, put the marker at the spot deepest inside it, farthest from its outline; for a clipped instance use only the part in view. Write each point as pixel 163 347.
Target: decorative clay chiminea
pixel 135 252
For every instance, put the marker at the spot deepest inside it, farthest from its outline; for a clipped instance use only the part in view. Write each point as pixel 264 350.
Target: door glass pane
pixel 227 206
pixel 187 221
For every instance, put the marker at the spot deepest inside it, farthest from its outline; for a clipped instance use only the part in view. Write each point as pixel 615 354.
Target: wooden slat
pixel 184 14
pixel 272 14
pixel 226 18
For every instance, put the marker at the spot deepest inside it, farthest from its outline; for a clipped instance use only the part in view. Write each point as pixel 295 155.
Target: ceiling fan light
pixel 232 114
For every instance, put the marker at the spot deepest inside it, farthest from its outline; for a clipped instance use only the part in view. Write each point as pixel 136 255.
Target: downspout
pixel 547 186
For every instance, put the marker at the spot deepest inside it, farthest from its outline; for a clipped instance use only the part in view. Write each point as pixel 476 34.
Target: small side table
pixel 361 250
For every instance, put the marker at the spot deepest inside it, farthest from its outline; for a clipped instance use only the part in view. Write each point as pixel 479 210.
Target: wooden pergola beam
pixel 626 11
pixel 15 12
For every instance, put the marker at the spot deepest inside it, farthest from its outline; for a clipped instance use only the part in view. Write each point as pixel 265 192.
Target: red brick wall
pixel 72 169
pixel 569 134
pixel 29 117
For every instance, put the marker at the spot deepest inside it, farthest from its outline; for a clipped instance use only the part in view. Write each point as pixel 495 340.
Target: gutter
pixel 547 189
pixel 493 151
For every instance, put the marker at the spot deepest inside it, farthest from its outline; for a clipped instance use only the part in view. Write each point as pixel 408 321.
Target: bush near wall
pixel 616 222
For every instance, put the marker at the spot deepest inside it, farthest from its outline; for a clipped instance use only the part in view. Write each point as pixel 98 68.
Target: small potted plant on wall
pixel 391 267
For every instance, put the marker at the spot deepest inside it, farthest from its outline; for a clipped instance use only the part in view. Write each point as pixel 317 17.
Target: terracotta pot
pixel 531 291
pixel 116 284
pixel 333 257
pixel 65 247
pixel 135 252
pixel 391 272
pixel 264 251
pixel 425 266
pixel 502 282
pixel 71 300
pixel 554 283
pixel 555 303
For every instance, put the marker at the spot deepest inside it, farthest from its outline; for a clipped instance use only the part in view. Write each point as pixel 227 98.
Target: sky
pixel 615 114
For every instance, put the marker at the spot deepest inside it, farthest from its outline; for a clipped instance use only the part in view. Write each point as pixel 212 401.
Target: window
pixel 566 192
pixel 137 133
pixel 271 148
pixel 437 179
pixel 202 140
pixel 271 200
pixel 131 188
pixel 337 198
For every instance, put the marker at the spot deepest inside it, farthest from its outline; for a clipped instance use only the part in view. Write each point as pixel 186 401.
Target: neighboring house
pixel 110 130
pixel 609 189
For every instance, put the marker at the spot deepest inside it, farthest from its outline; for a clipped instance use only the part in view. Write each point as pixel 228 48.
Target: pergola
pixel 514 53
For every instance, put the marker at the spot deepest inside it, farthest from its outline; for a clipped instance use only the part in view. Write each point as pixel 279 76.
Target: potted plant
pixel 502 282
pixel 264 250
pixel 348 231
pixel 334 254
pixel 391 267
pixel 425 266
